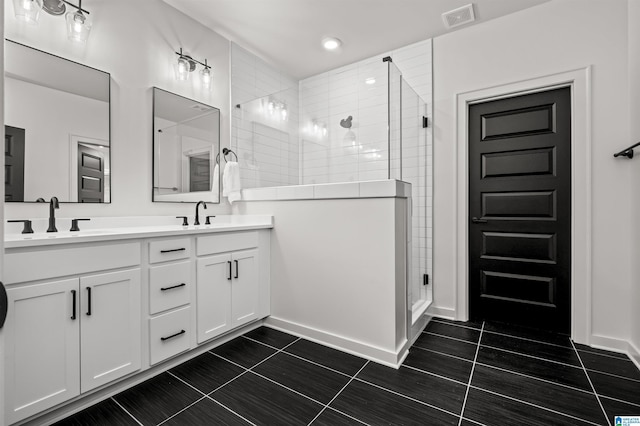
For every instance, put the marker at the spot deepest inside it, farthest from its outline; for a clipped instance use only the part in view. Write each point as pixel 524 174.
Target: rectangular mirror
pixel 186 147
pixel 57 133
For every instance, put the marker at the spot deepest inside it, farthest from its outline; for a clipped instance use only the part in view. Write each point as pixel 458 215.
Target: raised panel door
pixel 214 275
pixel 42 347
pixel 245 291
pixel 110 329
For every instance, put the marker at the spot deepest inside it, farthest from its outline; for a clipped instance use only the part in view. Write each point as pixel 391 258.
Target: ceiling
pixel 287 33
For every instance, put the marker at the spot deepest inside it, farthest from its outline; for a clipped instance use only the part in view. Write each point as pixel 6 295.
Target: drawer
pixel 169 286
pixel 169 334
pixel 58 261
pixel 173 249
pixel 223 242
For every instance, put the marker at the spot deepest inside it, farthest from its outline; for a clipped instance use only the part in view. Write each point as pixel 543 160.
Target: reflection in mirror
pixel 57 140
pixel 186 136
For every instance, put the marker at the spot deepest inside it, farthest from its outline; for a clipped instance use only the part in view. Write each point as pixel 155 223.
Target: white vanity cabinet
pixel 231 290
pixel 68 336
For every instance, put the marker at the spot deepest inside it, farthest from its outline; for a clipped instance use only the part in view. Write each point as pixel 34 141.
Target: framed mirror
pixel 57 133
pixel 186 147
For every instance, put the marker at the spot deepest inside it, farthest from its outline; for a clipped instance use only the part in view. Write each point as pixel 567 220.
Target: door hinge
pixel 425 279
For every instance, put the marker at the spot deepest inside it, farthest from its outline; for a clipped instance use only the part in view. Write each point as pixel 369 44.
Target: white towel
pixel 231 182
pixel 215 184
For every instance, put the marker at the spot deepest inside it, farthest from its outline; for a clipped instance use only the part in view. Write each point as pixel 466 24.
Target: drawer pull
pixel 73 298
pixel 172 250
pixel 173 286
pixel 88 301
pixel 173 335
pixel 237 269
pixel 229 263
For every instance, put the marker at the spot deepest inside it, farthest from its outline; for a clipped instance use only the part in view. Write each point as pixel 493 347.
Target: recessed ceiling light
pixel 331 43
pixel 370 80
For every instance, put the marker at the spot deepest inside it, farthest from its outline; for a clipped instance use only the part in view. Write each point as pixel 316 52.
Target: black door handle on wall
pixel 73 304
pixel 229 263
pixel 4 304
pixel 236 276
pixel 476 220
pixel 88 301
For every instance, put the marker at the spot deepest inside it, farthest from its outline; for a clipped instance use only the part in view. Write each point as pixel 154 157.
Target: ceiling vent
pixel 460 16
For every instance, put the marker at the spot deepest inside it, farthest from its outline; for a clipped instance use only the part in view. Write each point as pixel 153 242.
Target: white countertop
pixel 122 228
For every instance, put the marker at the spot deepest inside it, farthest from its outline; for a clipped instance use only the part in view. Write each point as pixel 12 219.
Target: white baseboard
pixel 446 313
pixel 361 349
pixel 418 327
pixel 634 354
pixel 609 344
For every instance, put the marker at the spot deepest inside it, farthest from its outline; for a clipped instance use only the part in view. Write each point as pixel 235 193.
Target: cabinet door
pixel 42 347
pixel 213 288
pixel 110 329
pixel 245 292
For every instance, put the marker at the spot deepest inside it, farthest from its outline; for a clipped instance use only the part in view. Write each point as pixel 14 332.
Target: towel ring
pixel 226 151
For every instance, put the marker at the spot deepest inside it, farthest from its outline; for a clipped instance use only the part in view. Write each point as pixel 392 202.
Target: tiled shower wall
pixel 311 146
pixel 264 138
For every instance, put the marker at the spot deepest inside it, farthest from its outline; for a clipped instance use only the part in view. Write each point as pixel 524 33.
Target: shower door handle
pixel 476 220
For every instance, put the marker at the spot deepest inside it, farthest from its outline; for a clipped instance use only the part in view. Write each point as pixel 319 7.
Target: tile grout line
pixel 337 394
pixel 531 404
pixel 527 339
pixel 230 410
pixel 534 377
pixel 182 410
pixel 442 353
pixel 126 411
pixel 532 356
pixel 591 384
pixel 612 375
pixel 618 357
pixel 407 397
pixel 457 339
pixel 454 324
pixel 466 395
pixel 301 357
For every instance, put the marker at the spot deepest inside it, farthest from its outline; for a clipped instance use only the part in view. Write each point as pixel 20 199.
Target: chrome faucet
pixel 197 222
pixel 53 205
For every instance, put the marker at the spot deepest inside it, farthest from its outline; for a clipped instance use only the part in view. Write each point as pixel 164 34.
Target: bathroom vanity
pixel 92 308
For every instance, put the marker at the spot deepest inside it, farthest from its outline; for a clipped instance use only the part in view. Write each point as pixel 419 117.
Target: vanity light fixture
pixel 331 43
pixel 186 65
pixel 78 25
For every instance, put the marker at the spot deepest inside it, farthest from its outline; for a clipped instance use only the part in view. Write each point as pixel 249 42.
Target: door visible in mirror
pixel 186 146
pixel 57 133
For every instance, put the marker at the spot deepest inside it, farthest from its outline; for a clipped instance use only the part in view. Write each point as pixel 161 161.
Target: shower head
pixel 346 123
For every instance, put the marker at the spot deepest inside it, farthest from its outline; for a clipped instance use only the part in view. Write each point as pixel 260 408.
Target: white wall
pixel 634 136
pixel 48 124
pixel 338 272
pixel 135 41
pixel 550 38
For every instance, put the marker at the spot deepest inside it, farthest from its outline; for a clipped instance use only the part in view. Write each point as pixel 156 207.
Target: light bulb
pixel 78 26
pixel 183 69
pixel 284 113
pixel 27 10
pixel 205 74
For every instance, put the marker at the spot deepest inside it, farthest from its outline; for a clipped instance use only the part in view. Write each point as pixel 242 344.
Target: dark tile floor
pixel 456 374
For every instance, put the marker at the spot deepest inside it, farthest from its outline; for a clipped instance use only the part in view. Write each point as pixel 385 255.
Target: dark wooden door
pixel 520 210
pixel 90 175
pixel 199 173
pixel 14 138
